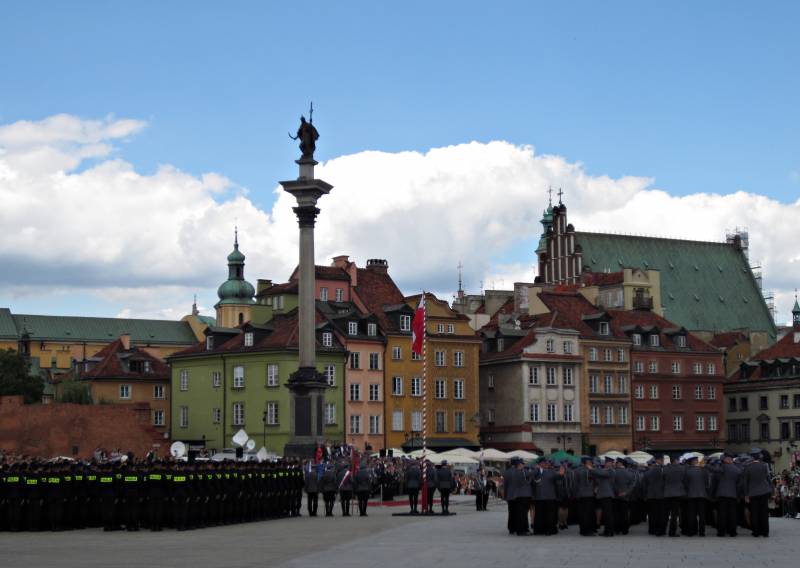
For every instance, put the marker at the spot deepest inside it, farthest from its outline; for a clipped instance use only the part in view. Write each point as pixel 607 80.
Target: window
pixel 655 423
pixel 216 415
pixel 593 383
pixel 568 415
pixel 764 431
pixel 441 421
pixel 680 341
pixel 744 403
pixel 183 417
pixel 637 338
pixel 416 386
pixel 323 294
pixel 439 358
pixel 374 392
pixel 355 424
pixel 416 421
pixel 784 401
pixel 698 392
pixel 405 323
pixel 441 388
pixel 608 355
pixel 355 360
pixel 372 329
pixel 327 339
pixel 653 392
pixel 216 379
pixel 278 303
pixel 158 391
pixel 158 418
pixel 238 377
pixel 355 391
pixel 712 423
pixel 238 414
pixel 330 413
pixel 374 424
pixel 732 404
pixel 340 295
pixel 552 415
pixel 623 414
pixel 458 389
pixel 124 391
pixel 697 368
pixel 621 355
pixel 608 384
pixel 676 368
pixel 415 356
pixel 567 373
pixel 638 392
pixel 653 367
pixel 184 380
pixel 795 403
pixel 397 353
pixel 272 414
pixel 397 421
pixel 397 386
pixel 534 412
pixel 594 413
pixel 533 376
pixel 451 329
pixel 330 375
pixel 272 375
pixel 603 328
pixel 567 346
pixel 677 423
pixel 551 376
pixel 352 328
pixel 374 362
pixel 458 421
pixel 248 339
pixel 550 345
pixel 762 403
pixel 491 382
pixel 655 340
pixel 458 358
pixel 210 343
pixel 609 414
pixel 700 423
pixel 638 367
pixel 491 416
pixel 711 369
pixel 593 354
pixel 785 431
pixel 640 423
pixel 622 382
pixel 712 393
pixel 676 392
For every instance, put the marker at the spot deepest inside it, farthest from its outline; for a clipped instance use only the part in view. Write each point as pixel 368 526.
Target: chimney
pixel 341 261
pixel 125 339
pixel 378 265
pixel 262 284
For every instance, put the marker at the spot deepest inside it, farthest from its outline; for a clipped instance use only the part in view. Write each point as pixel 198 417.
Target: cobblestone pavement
pixel 382 540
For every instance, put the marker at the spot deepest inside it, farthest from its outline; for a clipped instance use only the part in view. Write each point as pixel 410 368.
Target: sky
pixel 135 135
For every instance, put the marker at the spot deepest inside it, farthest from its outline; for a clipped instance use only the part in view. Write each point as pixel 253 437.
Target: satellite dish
pixel 240 438
pixel 250 445
pixel 177 449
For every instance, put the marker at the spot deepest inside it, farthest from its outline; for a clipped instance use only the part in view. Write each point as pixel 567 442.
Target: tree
pixel 16 380
pixel 75 392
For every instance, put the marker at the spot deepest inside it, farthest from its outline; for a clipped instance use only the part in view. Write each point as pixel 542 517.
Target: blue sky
pixel 700 96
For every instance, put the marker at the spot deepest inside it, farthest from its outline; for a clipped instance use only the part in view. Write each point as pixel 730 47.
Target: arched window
pixel 241 318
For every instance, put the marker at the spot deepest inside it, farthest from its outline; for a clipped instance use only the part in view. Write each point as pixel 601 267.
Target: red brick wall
pixel 55 429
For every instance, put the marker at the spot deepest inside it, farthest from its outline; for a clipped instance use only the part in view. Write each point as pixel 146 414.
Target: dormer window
pixel 603 328
pixel 327 339
pixel 278 303
pixel 323 294
pixel 339 295
pixel 210 343
pixel 655 341
pixel 680 341
pixel 372 329
pixel 248 339
pixel 451 328
pixel 637 338
pixel 500 344
pixel 405 323
pixel 352 328
pixel 440 328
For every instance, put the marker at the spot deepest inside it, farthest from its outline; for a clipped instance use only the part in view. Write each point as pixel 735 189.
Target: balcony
pixel 642 302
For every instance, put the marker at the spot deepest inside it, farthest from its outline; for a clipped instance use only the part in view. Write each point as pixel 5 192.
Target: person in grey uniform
pixel 624 484
pixel 345 481
pixel 584 494
pixel 509 487
pixel 311 485
pixel 653 491
pixel 604 478
pixel 431 482
pixel 523 493
pixel 757 489
pixel 696 496
pixel 363 487
pixel 727 491
pixel 545 499
pixel 329 486
pixel 674 493
pixel 413 481
pixel 444 481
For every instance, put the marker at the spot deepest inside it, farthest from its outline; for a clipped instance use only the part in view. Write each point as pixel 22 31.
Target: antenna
pixel 550 195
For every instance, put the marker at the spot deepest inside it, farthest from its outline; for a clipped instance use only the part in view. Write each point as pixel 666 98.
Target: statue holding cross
pixel 308 135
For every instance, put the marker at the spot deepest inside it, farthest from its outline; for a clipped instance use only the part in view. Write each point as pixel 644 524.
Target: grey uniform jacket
pixel 508 484
pixel 432 477
pixel 696 482
pixel 413 477
pixel 522 481
pixel 674 481
pixel 605 482
pixel 444 479
pixel 312 481
pixel 363 480
pixel 545 485
pixel 757 480
pixel 344 481
pixel 727 476
pixel 624 484
pixel 328 481
pixel 583 483
pixel 654 483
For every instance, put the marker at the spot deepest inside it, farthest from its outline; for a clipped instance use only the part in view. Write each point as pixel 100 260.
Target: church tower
pixel 560 259
pixel 236 293
pixel 796 313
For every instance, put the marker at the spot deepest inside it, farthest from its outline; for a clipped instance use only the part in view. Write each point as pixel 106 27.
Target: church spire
pixel 796 312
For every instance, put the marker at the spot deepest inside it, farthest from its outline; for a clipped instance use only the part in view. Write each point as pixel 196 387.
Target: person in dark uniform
pixel 696 497
pixel 653 492
pixel 156 496
pixel 329 486
pixel 585 495
pixel 180 497
pixel 727 492
pixel 624 484
pixel 413 481
pixel 479 484
pixel 345 484
pixel 444 481
pixel 545 498
pixel 509 490
pixel 14 494
pixel 107 494
pixel 363 486
pixel 757 489
pixel 131 485
pixel 431 482
pixel 312 485
pixel 53 497
pixel 674 493
pixel 604 478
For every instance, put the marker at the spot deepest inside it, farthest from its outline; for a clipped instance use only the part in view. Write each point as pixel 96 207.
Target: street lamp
pixel 264 420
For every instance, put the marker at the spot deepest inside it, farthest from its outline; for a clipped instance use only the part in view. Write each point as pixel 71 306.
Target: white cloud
pixel 147 241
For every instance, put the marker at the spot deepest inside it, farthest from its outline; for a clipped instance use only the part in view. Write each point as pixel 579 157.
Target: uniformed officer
pixel 444 482
pixel 413 481
pixel 624 485
pixel 727 492
pixel 757 489
pixel 312 486
pixel 345 485
pixel 329 487
pixel 696 497
pixel 545 498
pixel 585 494
pixel 674 493
pixel 363 486
pixel 431 483
pixel 653 492
pixel 604 478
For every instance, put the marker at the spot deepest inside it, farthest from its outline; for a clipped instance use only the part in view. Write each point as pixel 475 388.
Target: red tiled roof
pixel 324 273
pixel 728 339
pixel 506 309
pixel 375 290
pixel 786 347
pixel 513 349
pixel 110 365
pixel 290 287
pixel 602 278
pixel 567 309
pixel 642 318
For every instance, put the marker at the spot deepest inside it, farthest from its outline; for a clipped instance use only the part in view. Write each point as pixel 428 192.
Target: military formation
pixel 126 495
pixel 681 498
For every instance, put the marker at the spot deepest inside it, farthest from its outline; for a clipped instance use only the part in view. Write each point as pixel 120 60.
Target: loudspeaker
pixel 239 453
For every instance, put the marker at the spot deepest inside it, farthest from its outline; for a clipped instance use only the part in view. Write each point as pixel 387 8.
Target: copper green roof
pixel 8 329
pixel 705 286
pixel 74 328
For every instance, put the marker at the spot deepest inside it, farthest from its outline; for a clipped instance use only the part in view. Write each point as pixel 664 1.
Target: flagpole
pixel 424 404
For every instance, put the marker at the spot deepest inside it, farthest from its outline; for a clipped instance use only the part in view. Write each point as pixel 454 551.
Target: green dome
pixel 236 292
pixel 236 256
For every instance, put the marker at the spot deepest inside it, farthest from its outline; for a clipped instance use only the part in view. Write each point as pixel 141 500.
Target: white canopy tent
pixel 456 458
pixel 492 455
pixel 640 457
pixel 613 454
pixel 527 456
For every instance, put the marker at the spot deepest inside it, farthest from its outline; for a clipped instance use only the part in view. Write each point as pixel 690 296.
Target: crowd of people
pixel 681 498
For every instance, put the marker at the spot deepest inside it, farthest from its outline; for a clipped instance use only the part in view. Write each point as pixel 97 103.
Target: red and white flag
pixel 418 327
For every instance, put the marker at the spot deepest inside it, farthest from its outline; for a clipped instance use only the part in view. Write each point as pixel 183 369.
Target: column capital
pixel 306 215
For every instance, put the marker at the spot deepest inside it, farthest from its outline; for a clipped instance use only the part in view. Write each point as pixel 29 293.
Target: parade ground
pixel 469 538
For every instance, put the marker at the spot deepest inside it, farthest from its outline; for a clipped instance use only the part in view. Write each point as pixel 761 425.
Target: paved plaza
pixel 382 540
